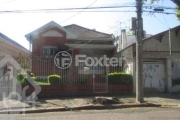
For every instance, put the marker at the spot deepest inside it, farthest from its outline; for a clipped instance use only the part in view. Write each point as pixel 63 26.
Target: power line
pixel 92 9
pixel 159 20
pixel 152 7
pixel 152 12
pixel 73 15
pixel 82 8
pixel 166 21
pixel 110 11
pixel 75 9
pixel 79 12
pixel 123 21
pixel 66 9
pixel 100 11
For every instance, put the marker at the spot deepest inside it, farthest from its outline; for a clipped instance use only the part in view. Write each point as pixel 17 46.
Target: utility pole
pixel 139 53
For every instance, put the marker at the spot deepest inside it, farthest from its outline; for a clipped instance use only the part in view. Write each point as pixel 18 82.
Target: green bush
pixel 54 79
pixel 119 78
pixel 22 78
pixel 32 75
pixel 41 79
pixel 176 81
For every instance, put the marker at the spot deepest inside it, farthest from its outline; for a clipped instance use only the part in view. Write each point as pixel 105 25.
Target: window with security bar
pixel 49 50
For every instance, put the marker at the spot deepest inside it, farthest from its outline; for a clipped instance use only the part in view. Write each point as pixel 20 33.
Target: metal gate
pixel 154 75
pixel 6 82
pixel 100 79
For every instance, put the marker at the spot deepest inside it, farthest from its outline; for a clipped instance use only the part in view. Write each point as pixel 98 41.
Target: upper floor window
pixel 49 50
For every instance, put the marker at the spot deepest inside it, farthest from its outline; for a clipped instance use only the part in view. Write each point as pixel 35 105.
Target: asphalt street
pixel 143 113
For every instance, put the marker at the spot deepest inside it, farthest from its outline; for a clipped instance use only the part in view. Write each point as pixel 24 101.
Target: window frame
pixel 48 50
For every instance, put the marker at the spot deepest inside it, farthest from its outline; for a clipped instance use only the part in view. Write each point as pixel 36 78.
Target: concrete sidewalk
pixel 8 104
pixel 79 103
pixel 161 98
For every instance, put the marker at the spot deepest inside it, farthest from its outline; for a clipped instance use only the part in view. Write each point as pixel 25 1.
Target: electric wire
pixel 79 12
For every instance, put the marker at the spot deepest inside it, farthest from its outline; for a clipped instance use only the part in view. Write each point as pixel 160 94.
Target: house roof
pixel 92 46
pixel 12 41
pixel 153 36
pixel 82 32
pixel 47 27
pixel 73 32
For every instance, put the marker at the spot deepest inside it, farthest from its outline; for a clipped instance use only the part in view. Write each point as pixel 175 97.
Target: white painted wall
pixel 52 33
pixel 175 68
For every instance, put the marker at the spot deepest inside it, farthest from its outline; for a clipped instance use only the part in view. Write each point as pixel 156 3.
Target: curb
pixel 86 107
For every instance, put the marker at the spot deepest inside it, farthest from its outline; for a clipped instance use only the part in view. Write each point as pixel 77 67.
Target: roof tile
pixel 82 32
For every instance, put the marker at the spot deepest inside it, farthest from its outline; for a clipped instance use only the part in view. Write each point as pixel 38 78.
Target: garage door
pixel 154 76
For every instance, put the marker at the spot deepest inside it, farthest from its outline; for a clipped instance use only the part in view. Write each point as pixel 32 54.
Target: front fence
pixel 74 81
pixel 76 73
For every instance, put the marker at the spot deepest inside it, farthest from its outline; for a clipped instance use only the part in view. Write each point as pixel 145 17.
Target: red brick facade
pixel 37 44
pixel 44 66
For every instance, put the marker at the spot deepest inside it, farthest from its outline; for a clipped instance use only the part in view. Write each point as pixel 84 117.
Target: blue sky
pixel 16 25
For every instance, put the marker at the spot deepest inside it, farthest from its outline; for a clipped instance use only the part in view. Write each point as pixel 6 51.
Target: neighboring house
pixel 51 38
pixel 14 49
pixel 11 47
pixel 125 40
pixel 161 60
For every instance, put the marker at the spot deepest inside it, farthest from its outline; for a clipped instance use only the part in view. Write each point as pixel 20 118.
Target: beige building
pixel 14 49
pixel 10 47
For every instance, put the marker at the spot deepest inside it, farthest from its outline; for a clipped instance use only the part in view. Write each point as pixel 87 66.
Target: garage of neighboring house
pixel 154 75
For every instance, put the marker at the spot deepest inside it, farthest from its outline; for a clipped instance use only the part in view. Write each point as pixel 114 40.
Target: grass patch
pixel 41 83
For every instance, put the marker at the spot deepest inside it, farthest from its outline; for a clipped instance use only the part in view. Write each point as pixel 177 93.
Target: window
pixel 86 70
pixel 83 69
pixel 49 50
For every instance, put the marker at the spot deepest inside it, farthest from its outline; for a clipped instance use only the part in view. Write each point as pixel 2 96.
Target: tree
pixel 177 2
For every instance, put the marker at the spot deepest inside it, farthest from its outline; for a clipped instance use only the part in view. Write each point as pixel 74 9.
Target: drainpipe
pixel 30 42
pixel 169 66
pixel 30 49
pixel 170 49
